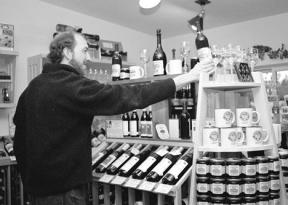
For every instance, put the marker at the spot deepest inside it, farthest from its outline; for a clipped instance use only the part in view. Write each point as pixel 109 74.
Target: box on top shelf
pixel 6 37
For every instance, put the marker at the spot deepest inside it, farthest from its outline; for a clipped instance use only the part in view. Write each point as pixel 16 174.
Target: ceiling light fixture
pixel 148 4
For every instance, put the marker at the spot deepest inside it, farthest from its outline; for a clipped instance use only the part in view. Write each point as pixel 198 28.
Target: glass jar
pixel 249 187
pixel 203 200
pixel 217 167
pixel 263 199
pixel 234 200
pixel 202 166
pixel 249 167
pixel 251 200
pixel 274 183
pixel 233 167
pixel 218 200
pixel 203 185
pixel 263 184
pixel 274 165
pixel 283 155
pixel 274 198
pixel 262 165
pixel 234 186
pixel 217 186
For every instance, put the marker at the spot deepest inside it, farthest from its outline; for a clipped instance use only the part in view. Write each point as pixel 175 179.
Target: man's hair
pixel 61 41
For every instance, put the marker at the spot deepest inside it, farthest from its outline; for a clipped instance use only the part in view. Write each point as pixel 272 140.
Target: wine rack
pixel 117 183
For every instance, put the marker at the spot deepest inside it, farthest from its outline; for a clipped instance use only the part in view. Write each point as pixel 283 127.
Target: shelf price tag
pixel 147 186
pixel 132 183
pixel 163 188
pixel 118 180
pixel 106 178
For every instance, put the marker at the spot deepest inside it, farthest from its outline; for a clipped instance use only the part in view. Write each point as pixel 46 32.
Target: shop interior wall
pixel 270 31
pixel 35 22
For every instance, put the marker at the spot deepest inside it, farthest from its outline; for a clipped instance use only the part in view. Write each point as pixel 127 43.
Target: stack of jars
pixel 283 154
pixel 238 181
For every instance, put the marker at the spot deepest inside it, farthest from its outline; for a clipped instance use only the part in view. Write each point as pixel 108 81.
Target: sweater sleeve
pixel 104 99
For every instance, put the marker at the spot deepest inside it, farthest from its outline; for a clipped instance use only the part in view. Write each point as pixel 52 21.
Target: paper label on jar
pixel 178 168
pixel 131 162
pixel 263 187
pixel 275 184
pixel 217 188
pixel 284 162
pixel 202 187
pixel 263 168
pixel 202 169
pixel 275 202
pixel 249 189
pixel 275 166
pixel 116 70
pixel 158 67
pixel 233 189
pixel 249 170
pixel 125 127
pixel 120 160
pixel 217 170
pixel 162 166
pixel 146 164
pixel 233 170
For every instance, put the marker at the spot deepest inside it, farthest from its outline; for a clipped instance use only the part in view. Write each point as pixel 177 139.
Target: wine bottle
pixel 115 166
pixel 8 145
pixel 102 167
pixel 149 163
pixel 134 124
pixel 159 57
pixel 184 123
pixel 116 64
pixel 163 166
pixel 134 161
pixel 125 124
pixel 143 124
pixel 100 156
pixel 202 46
pixel 178 169
pixel 149 124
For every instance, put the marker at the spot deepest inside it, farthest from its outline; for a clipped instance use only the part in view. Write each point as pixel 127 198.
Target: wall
pixel 270 31
pixel 35 23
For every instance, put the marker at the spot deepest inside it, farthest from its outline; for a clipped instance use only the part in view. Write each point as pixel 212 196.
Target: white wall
pixel 270 31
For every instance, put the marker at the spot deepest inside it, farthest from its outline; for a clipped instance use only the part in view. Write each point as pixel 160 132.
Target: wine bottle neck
pixel 159 41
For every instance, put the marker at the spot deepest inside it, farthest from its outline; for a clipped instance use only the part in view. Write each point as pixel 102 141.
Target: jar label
pixel 233 170
pixel 249 189
pixel 284 162
pixel 217 170
pixel 233 189
pixel 202 187
pixel 263 168
pixel 276 166
pixel 275 184
pixel 217 188
pixel 202 169
pixel 263 187
pixel 249 170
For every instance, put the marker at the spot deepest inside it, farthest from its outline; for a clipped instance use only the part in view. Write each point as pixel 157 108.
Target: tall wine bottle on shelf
pixel 143 124
pixel 164 165
pixel 178 169
pixel 102 167
pixel 134 124
pixel 100 156
pixel 125 124
pixel 148 164
pixel 115 166
pixel 116 64
pixel 184 122
pixel 134 161
pixel 159 57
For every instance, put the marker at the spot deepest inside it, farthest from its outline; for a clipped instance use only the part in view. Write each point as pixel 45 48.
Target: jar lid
pixel 217 179
pixel 274 195
pixel 248 179
pixel 274 158
pixel 262 159
pixel 233 161
pixel 263 177
pixel 217 161
pixel 263 197
pixel 234 180
pixel 202 179
pixel 217 199
pixel 250 199
pixel 234 200
pixel 203 197
pixel 274 176
pixel 203 159
pixel 249 160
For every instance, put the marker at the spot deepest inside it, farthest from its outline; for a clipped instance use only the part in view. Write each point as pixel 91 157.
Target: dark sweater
pixel 53 119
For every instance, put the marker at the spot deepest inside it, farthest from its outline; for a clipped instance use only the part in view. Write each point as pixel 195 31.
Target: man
pixel 54 116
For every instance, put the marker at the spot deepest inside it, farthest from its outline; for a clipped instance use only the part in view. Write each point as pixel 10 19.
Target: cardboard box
pixel 6 37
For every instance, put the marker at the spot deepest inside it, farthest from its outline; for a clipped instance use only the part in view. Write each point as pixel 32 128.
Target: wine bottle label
pixel 125 128
pixel 143 128
pixel 133 128
pixel 178 168
pixel 125 147
pixel 158 67
pixel 135 150
pixel 176 151
pixel 146 164
pixel 131 162
pixel 162 151
pixel 204 53
pixel 120 160
pixel 162 166
pixel 115 70
pixel 108 161
pixel 149 132
pixel 97 158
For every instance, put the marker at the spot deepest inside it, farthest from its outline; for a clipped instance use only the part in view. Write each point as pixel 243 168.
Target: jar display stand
pixel 225 90
pixel 144 186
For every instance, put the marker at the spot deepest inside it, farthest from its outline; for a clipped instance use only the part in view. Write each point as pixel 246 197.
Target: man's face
pixel 80 53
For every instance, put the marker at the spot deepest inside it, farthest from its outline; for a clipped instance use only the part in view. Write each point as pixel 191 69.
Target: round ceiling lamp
pixel 148 4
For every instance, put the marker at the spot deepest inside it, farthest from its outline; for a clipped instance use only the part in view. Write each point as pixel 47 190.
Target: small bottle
pixel 159 57
pixel 125 124
pixel 149 163
pixel 116 64
pixel 134 124
pixel 143 124
pixel 102 167
pixel 178 169
pixel 149 124
pixel 163 166
pixel 184 123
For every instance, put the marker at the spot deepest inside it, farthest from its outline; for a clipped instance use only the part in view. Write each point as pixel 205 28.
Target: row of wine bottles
pixel 144 161
pixel 6 147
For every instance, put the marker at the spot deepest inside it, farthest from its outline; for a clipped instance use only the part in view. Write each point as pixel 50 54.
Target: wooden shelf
pixel 225 86
pixel 234 149
pixel 181 143
pixel 7 105
pixel 11 53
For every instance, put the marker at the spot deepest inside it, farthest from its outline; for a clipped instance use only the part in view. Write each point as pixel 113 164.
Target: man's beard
pixel 77 66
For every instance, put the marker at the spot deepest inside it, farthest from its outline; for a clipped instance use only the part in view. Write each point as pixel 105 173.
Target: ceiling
pixel 172 15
